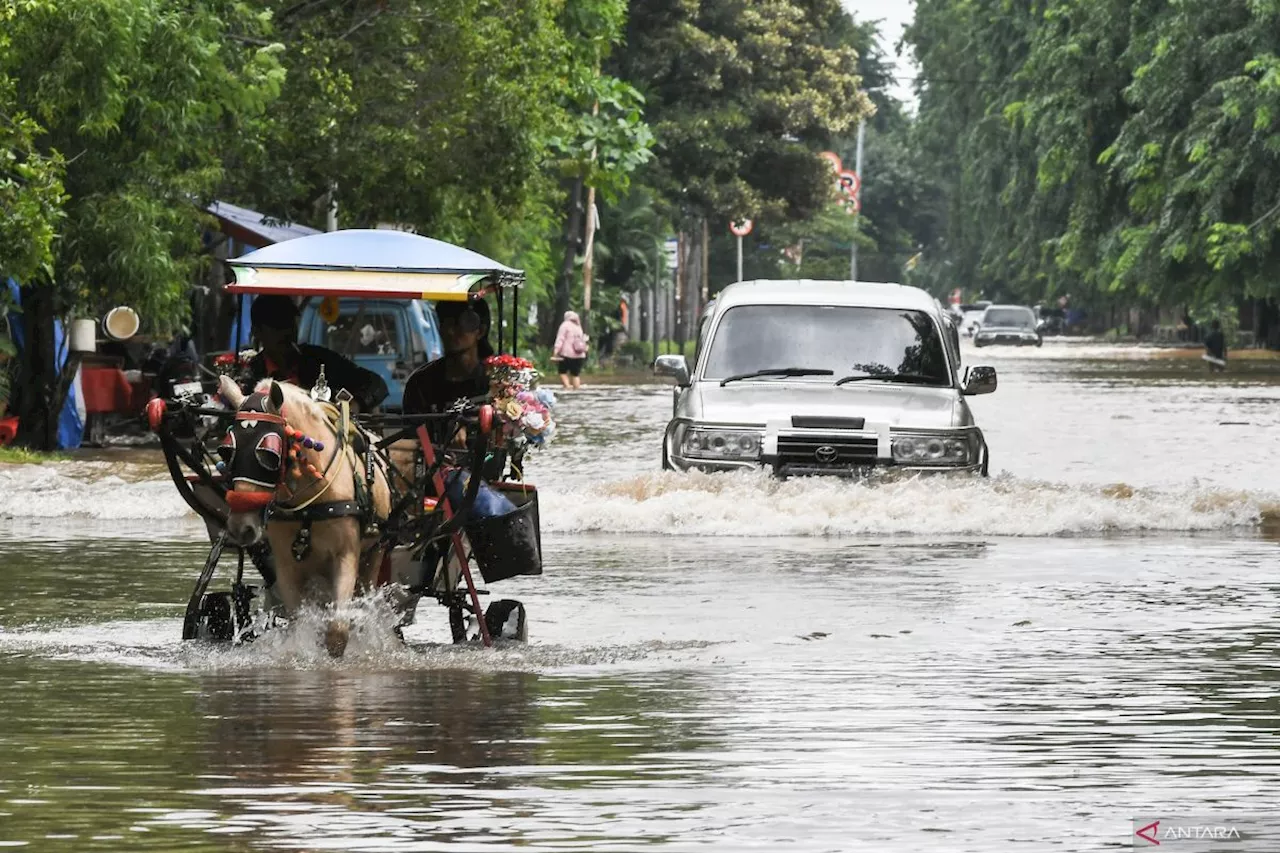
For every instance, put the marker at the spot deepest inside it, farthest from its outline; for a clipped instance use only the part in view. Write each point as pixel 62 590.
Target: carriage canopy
pixel 371 264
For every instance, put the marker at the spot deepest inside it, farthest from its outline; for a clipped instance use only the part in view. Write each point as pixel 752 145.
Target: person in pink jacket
pixel 570 350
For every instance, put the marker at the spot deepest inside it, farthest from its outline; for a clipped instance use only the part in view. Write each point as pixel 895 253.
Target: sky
pixel 893 15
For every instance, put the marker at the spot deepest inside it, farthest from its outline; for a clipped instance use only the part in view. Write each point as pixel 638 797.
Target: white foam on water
pixel 51 491
pixel 299 646
pixel 753 504
pixel 146 643
pixel 739 504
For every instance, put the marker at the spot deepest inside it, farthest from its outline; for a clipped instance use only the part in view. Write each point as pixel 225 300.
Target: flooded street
pixel 716 663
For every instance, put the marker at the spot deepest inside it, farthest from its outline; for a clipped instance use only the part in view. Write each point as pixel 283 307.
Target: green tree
pixel 137 100
pixel 1124 150
pixel 740 99
pixel 31 194
pixel 605 138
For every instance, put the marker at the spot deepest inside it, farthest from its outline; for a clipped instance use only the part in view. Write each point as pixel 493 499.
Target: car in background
pixel 391 337
pixel 968 317
pixel 824 378
pixel 1010 325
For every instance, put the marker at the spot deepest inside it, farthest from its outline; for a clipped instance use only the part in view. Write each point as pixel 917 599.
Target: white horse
pixel 319 513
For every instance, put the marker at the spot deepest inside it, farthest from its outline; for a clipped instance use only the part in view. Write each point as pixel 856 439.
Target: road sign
pixel 834 159
pixel 672 248
pixel 849 182
pixel 741 228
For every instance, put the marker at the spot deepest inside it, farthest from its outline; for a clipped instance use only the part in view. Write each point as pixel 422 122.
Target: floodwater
pixel 715 663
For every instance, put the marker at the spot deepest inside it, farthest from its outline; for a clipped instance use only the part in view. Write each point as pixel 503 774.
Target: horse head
pixel 263 453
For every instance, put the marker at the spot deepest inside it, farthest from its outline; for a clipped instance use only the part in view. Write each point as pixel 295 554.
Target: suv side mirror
pixel 979 380
pixel 674 366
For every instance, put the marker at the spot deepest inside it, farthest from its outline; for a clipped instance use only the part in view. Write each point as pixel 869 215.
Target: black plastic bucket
pixel 508 545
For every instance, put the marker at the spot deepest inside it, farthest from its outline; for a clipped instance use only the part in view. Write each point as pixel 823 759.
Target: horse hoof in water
pixel 335 638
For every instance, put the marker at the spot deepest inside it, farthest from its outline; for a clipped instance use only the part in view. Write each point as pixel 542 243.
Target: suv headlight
pixel 694 442
pixel 957 449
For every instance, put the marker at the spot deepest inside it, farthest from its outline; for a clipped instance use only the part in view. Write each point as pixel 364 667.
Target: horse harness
pixel 275 447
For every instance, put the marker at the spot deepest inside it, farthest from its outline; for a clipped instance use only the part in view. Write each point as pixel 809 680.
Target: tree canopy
pixel 1116 149
pixel 130 104
pixel 741 97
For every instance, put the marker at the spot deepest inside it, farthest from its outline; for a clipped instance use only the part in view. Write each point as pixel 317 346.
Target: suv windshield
pixel 1016 317
pixel 844 341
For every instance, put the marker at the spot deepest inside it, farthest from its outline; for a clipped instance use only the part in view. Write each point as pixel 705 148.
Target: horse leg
pixel 289 573
pixel 346 569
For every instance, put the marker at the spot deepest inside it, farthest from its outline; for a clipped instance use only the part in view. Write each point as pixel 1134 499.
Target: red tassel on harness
pixel 248 501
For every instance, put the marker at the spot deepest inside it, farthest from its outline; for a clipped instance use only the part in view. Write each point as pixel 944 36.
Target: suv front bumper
pixel 788 452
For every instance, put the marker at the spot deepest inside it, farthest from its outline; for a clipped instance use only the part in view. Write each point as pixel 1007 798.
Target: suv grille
pixel 826 452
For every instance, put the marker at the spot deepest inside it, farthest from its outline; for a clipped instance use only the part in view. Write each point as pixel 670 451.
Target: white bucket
pixel 84 336
pixel 121 323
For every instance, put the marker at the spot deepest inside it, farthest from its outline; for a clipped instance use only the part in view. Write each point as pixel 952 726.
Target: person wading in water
pixel 1215 347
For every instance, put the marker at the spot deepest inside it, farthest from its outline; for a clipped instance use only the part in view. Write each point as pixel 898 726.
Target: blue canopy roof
pixel 375 251
pixel 368 263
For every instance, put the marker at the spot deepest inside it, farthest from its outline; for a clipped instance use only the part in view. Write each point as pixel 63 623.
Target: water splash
pixel 755 504
pixel 87 490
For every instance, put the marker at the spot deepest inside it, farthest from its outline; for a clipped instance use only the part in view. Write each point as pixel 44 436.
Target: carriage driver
pixel 281 357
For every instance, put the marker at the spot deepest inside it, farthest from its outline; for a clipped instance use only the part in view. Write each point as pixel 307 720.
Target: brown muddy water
pixel 715 663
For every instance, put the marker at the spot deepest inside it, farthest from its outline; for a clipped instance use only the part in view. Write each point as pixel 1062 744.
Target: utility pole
pixel 331 209
pixel 653 301
pixel 857 168
pixel 588 256
pixel 706 267
pixel 589 248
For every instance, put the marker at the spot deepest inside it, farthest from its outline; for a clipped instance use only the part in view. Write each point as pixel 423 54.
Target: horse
pixel 295 477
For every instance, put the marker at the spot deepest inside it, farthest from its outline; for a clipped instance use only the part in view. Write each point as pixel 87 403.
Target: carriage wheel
pixel 458 623
pixel 216 620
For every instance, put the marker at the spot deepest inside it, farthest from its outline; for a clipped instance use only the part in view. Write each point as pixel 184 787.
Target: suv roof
pixel 860 294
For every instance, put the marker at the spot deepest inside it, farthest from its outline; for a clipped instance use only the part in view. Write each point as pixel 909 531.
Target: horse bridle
pixel 266 466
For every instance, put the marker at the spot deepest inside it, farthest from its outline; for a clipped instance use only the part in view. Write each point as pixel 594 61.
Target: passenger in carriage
pixel 281 357
pixel 460 374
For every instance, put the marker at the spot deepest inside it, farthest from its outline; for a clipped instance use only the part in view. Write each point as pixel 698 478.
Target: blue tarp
pixel 71 422
pixel 241 333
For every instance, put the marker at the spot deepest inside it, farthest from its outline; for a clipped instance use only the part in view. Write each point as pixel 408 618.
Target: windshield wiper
pixel 779 371
pixel 909 378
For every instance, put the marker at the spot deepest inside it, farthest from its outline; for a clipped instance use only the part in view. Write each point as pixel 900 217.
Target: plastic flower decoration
pixel 523 410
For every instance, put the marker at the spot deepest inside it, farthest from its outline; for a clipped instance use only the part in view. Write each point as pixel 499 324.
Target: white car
pixel 825 377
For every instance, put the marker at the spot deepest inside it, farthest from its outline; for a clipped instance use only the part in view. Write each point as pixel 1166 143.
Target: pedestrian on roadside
pixel 1215 347
pixel 570 350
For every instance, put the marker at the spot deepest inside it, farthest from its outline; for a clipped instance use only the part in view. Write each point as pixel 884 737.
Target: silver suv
pixel 825 377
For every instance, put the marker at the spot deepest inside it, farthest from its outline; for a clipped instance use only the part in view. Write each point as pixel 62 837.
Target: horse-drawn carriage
pixel 326 502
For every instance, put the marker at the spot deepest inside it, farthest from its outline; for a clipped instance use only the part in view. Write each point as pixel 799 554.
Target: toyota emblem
pixel 825 453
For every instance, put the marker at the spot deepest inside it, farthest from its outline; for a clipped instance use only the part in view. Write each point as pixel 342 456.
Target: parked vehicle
pixel 390 337
pixel 836 378
pixel 1013 325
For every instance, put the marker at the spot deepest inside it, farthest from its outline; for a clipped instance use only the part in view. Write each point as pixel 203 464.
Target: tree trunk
pixel 564 284
pixel 587 259
pixel 37 399
pixel 692 280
